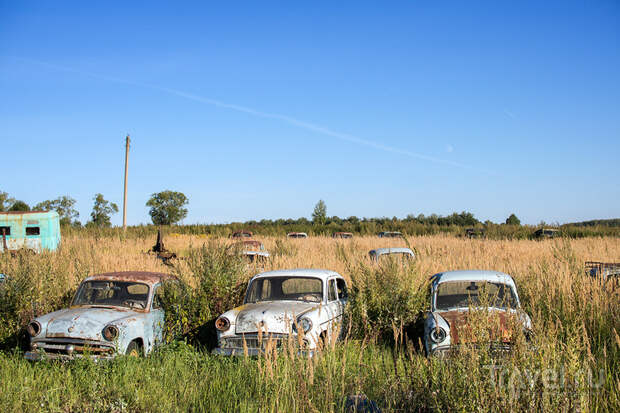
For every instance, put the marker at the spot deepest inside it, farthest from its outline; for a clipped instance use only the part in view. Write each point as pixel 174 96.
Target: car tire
pixel 134 349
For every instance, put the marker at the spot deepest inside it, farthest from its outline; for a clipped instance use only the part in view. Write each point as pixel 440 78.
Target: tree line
pixel 166 208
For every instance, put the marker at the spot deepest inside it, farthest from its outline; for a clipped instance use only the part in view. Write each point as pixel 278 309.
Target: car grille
pixel 73 347
pixel 252 341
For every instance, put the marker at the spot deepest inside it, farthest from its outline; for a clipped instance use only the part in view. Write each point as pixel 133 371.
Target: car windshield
pixel 460 294
pixel 285 289
pixel 113 294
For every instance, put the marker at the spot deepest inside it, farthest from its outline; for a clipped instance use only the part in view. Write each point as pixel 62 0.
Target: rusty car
pixel 298 307
pixel 603 270
pixel 344 235
pixel 377 253
pixel 252 250
pixel 111 314
pixel 390 234
pixel 458 296
pixel 297 235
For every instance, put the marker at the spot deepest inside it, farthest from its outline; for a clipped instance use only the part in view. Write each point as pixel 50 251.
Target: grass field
pixel 573 364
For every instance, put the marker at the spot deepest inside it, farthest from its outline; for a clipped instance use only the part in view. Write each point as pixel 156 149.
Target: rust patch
pixel 461 330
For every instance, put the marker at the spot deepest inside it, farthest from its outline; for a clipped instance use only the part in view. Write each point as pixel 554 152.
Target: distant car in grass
pixel 376 254
pixel 390 234
pixel 342 235
pixel 253 250
pixel 547 233
pixel 475 233
pixel 603 270
pixel 454 294
pixel 297 235
pixel 241 234
pixel 111 314
pixel 298 307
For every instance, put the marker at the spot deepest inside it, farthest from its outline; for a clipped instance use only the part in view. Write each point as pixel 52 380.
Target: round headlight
pixel 34 328
pixel 438 334
pixel 110 333
pixel 222 324
pixel 305 324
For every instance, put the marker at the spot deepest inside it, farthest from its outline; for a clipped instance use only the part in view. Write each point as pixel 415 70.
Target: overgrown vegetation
pixel 572 365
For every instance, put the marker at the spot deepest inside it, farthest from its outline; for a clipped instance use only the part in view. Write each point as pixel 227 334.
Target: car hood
pixel 83 322
pixel 499 325
pixel 271 316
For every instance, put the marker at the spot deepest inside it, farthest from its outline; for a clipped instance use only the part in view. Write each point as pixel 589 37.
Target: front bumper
pixel 495 350
pixel 41 355
pixel 253 352
pixel 64 348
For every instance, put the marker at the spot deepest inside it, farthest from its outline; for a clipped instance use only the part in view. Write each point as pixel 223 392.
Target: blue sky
pixel 258 110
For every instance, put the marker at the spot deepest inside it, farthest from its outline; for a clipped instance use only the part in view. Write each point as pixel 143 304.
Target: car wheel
pixel 134 349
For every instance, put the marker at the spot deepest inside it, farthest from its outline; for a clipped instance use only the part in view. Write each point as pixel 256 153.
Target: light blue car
pixel 111 314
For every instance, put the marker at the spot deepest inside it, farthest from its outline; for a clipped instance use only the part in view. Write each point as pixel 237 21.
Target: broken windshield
pixel 113 293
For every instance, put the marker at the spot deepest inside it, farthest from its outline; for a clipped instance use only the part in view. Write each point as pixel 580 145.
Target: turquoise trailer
pixel 36 230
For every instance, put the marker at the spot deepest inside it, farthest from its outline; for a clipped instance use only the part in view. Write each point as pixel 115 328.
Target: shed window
pixel 32 231
pixel 5 230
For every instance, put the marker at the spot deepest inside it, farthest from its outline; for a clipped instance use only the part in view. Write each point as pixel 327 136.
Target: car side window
pixel 331 296
pixel 342 289
pixel 157 299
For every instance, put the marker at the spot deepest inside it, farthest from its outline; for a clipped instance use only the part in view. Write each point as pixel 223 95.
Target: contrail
pixel 250 111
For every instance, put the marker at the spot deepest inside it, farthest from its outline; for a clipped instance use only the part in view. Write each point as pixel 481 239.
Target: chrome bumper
pixel 253 352
pixel 41 355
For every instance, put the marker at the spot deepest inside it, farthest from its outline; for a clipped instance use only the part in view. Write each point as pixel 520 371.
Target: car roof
pixel 381 251
pixel 150 278
pixel 473 275
pixel 299 272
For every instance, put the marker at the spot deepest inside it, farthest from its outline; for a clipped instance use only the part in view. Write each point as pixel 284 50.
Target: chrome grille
pixel 73 347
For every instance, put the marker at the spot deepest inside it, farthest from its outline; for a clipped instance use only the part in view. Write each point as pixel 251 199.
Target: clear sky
pixel 258 110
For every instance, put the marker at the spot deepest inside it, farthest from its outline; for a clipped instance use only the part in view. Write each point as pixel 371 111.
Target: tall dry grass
pixel 576 322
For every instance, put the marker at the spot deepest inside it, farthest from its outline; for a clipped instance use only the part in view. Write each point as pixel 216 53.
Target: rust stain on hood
pixel 498 326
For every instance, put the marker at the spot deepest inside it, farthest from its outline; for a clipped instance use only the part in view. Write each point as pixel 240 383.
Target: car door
pixel 156 318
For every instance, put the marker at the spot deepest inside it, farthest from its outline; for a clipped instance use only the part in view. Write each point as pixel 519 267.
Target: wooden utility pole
pixel 125 190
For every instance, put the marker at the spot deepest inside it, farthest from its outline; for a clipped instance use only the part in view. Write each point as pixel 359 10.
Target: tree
pixel 167 207
pixel 20 206
pixel 6 202
pixel 102 210
pixel 513 220
pixel 64 206
pixel 319 215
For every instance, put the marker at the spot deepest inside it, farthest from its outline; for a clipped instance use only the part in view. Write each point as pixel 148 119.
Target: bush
pixel 213 281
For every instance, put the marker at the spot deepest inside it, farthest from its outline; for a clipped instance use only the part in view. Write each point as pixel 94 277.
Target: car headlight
pixel 34 328
pixel 110 332
pixel 438 335
pixel 222 323
pixel 305 324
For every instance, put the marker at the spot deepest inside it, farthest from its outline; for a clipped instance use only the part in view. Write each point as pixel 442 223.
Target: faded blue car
pixel 111 314
pixel 33 230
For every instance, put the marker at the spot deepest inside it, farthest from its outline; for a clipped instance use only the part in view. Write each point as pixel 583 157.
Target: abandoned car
pixel 390 234
pixel 297 235
pixel 455 294
pixel 546 233
pixel 603 270
pixel 344 235
pixel 299 307
pixel 393 252
pixel 111 314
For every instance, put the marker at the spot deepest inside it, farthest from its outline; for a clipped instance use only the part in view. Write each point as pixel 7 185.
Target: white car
pixel 455 293
pixel 302 307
